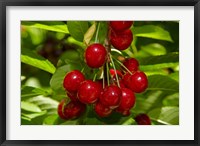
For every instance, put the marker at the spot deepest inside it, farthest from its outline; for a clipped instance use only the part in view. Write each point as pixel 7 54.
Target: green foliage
pixel 155 46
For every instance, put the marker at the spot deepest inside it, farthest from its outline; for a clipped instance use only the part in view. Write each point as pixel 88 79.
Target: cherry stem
pixel 107 71
pixel 103 79
pixel 82 70
pixel 115 70
pixel 123 66
pixel 97 33
pixel 94 78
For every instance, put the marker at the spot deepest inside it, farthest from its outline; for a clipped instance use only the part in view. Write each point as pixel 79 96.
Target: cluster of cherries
pixel 104 94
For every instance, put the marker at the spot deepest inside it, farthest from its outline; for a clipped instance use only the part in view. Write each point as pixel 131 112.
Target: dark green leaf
pixel 163 83
pixel 56 26
pixel 152 31
pixel 77 29
pixel 31 58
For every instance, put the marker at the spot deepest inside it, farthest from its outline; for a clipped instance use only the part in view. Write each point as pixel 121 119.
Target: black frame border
pixel 5 3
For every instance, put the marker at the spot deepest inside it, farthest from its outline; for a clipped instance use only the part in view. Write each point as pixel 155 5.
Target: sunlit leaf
pixel 89 34
pixel 33 59
pixel 27 106
pixel 56 26
pixel 152 31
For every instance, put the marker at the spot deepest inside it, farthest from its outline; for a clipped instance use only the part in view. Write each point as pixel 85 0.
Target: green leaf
pixel 33 115
pixel 77 29
pixel 166 115
pixel 168 58
pixel 51 120
pixel 33 59
pixel 28 92
pixel 56 26
pixel 45 103
pixel 153 49
pixel 89 34
pixel 171 100
pixel 27 106
pixel 152 31
pixel 153 63
pixel 162 83
pixel 56 81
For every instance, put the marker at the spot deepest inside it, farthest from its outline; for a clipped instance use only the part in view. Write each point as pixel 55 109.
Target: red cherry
pixel 74 109
pixel 72 96
pixel 95 55
pixel 121 83
pixel 127 100
pixel 111 96
pixel 102 110
pixel 123 112
pixel 138 82
pixel 131 64
pixel 89 92
pixel 143 119
pixel 61 108
pixel 121 40
pixel 113 74
pixel 72 80
pixel 126 79
pixel 120 25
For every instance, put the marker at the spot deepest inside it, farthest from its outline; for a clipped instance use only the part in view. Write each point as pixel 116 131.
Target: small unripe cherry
pixel 131 64
pixel 89 92
pixel 111 96
pixel 121 40
pixel 74 109
pixel 95 55
pixel 72 80
pixel 121 25
pixel 101 110
pixel 143 119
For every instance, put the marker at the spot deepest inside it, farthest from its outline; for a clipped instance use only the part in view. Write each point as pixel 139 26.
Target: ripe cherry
pixel 126 79
pixel 111 96
pixel 143 119
pixel 95 55
pixel 72 80
pixel 120 25
pixel 138 82
pixel 101 110
pixel 73 109
pixel 61 108
pixel 131 64
pixel 123 112
pixel 72 96
pixel 89 92
pixel 121 40
pixel 127 100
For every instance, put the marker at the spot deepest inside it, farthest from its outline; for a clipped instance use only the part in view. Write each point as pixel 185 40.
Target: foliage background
pixel 50 49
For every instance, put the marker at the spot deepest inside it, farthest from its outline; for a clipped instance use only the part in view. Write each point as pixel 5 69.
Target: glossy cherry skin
pixel 95 55
pixel 74 109
pixel 72 96
pixel 121 25
pixel 143 119
pixel 131 64
pixel 138 82
pixel 101 110
pixel 113 74
pixel 111 96
pixel 121 40
pixel 127 100
pixel 72 80
pixel 126 79
pixel 60 109
pixel 89 92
